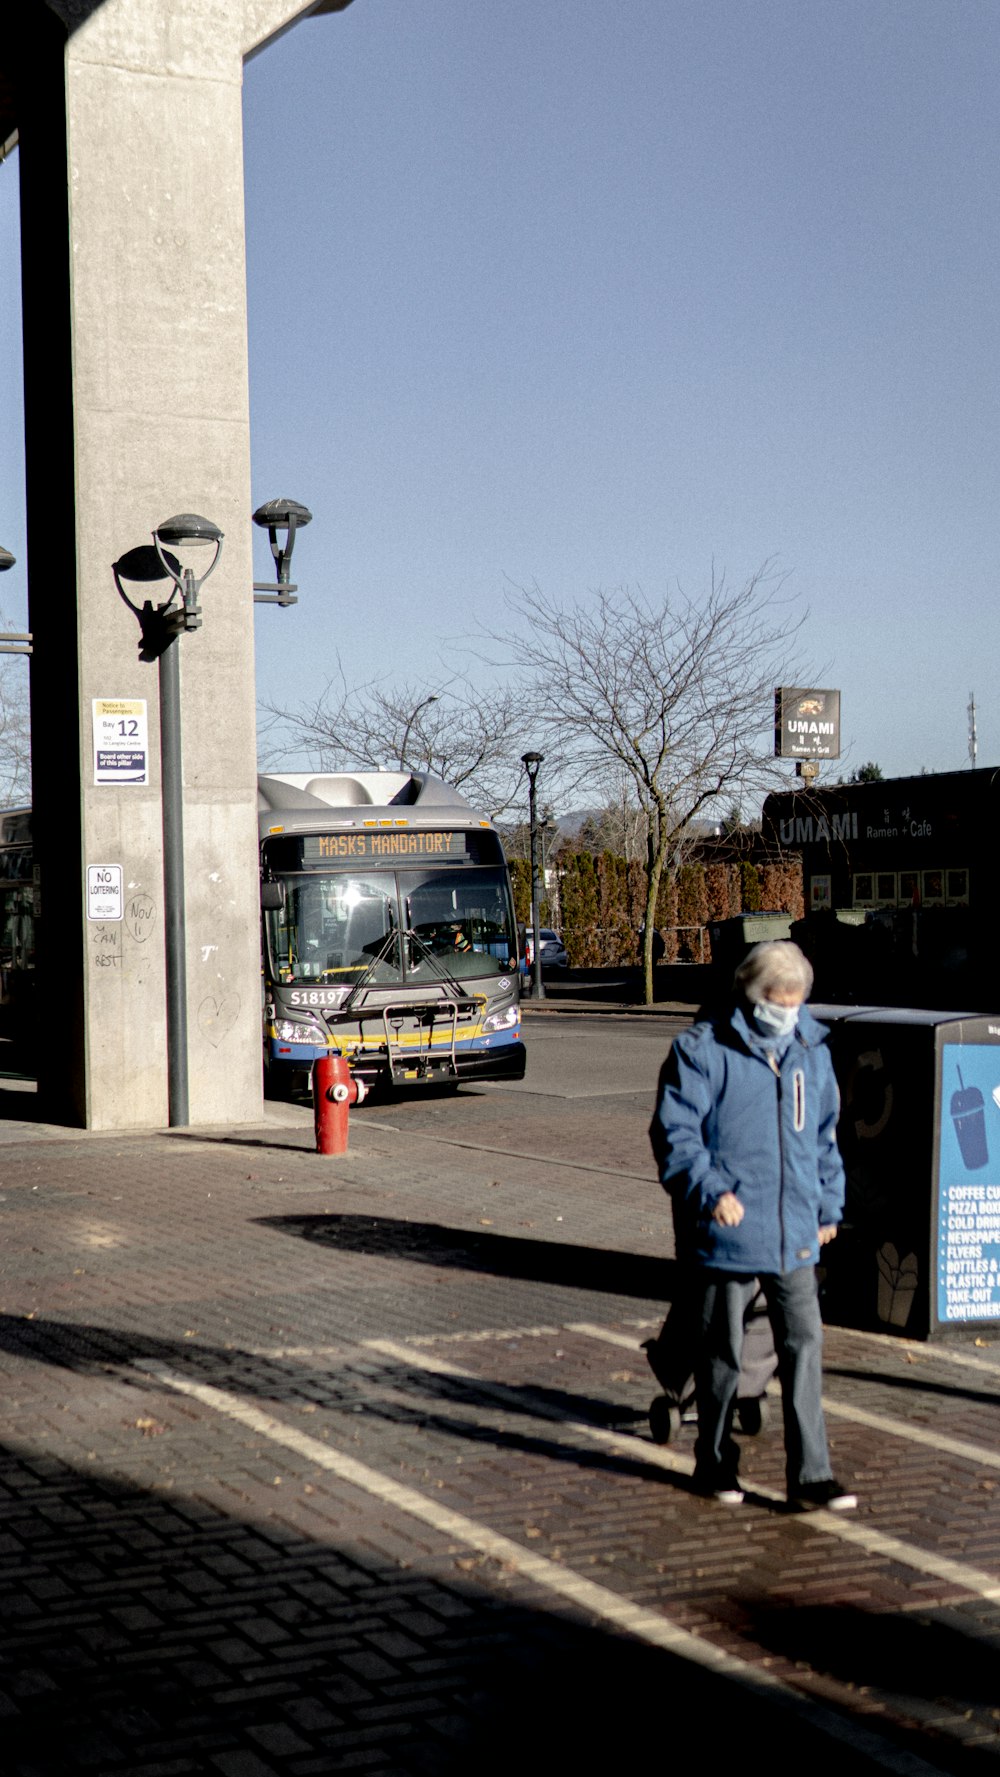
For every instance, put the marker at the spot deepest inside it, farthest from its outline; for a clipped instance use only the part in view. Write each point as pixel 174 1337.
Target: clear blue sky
pixel 588 295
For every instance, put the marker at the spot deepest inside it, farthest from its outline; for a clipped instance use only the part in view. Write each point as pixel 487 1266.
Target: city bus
pixel 388 932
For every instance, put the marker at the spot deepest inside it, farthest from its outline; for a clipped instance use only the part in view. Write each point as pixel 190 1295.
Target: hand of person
pixel 728 1211
pixel 826 1235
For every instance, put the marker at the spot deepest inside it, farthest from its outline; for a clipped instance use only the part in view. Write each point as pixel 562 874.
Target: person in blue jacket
pixel 748 1153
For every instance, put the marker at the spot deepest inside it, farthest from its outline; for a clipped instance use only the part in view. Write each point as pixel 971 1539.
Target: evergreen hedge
pixel 602 902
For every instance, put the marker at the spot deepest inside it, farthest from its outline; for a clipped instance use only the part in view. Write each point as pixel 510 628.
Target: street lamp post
pixel 186 532
pixel 275 516
pixel 406 732
pixel 531 762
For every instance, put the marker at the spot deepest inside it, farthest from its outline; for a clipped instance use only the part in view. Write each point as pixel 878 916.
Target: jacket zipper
pixel 776 1070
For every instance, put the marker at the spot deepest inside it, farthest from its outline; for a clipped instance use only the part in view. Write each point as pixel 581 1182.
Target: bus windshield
pixel 334 927
pixel 460 916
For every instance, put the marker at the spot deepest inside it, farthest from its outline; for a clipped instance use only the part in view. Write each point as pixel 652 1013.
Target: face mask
pixel 775 1021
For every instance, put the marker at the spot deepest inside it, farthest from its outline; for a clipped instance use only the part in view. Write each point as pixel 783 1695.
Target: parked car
pixel 552 948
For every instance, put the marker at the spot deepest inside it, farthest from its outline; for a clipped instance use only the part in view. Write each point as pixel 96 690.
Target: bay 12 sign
pixel 806 723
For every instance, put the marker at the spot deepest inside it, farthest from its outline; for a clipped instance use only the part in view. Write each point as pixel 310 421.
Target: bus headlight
pixel 288 1032
pixel 504 1020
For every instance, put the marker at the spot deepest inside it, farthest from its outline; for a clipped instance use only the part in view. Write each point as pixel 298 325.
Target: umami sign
pixel 806 723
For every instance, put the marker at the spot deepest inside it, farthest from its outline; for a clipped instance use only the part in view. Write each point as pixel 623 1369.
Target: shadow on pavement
pixel 613 1273
pixel 426 1398
pixel 905 1656
pixel 142 1631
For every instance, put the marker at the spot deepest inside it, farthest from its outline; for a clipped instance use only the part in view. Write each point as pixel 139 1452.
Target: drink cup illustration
pixel 970 1124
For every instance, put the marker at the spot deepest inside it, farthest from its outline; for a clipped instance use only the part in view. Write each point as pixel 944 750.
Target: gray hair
pixel 777 964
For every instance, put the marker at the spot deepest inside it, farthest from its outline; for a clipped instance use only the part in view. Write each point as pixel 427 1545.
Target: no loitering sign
pixel 104 891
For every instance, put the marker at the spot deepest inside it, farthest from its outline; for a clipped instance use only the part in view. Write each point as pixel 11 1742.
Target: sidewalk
pixel 557 1001
pixel 315 1466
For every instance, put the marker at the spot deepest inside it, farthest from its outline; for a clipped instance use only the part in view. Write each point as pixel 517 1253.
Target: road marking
pixel 864 1535
pixel 929 1353
pixel 640 1092
pixel 478 1147
pixel 976 1454
pixel 485 1335
pixel 897 1428
pixel 592 1331
pixel 916 1434
pixel 552 1576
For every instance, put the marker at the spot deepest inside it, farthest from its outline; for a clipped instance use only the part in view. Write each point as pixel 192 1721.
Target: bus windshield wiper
pixel 379 955
pixel 427 955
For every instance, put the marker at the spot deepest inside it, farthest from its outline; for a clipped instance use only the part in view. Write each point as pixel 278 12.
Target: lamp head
pixel 187 532
pixel 279 514
pixel 6 559
pixel 282 515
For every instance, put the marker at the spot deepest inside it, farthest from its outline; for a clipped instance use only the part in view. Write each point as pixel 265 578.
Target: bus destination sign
pixel 383 846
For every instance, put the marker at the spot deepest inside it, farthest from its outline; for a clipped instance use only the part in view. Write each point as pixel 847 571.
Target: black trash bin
pixel 732 938
pixel 919 1250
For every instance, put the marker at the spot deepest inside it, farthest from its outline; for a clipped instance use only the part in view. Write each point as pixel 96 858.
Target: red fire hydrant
pixel 334 1090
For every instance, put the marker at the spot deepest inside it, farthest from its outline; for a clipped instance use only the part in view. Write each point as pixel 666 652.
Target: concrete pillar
pixel 137 409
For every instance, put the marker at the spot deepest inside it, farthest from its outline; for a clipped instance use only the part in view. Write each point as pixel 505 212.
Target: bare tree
pixel 15 732
pixel 676 695
pixel 471 738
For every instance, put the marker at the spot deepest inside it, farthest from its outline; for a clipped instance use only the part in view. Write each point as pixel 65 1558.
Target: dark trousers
pixel 793 1310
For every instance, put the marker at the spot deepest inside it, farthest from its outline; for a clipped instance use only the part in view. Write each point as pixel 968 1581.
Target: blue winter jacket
pixel 732 1118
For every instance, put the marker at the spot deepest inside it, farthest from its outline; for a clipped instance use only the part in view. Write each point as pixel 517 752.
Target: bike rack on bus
pixel 422 1060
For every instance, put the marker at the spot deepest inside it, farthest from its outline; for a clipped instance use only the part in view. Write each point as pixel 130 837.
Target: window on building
pixel 958 887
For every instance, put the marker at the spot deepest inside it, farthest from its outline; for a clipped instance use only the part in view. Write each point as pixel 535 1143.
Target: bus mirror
pixel 272 897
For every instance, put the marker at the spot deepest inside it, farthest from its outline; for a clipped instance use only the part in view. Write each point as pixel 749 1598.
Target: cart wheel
pixel 752 1415
pixel 664 1420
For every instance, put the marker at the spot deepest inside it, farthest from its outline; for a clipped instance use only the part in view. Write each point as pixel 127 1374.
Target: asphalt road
pixel 587 1096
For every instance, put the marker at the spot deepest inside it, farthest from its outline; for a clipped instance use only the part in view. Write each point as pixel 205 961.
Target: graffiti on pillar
pixel 217 1017
pixel 140 916
pixel 106 947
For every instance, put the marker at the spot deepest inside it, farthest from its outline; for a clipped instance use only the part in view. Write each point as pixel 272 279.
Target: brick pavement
pixel 200 1582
